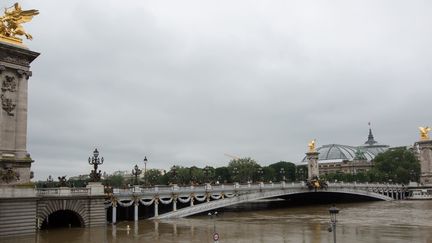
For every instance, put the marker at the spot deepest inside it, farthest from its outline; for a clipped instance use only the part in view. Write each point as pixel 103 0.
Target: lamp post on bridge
pixel 206 174
pixel 235 173
pixel 333 212
pixel 300 174
pixel 95 176
pixel 136 172
pixel 282 172
pixel 174 174
pixel 260 174
pixel 50 181
pixel 145 170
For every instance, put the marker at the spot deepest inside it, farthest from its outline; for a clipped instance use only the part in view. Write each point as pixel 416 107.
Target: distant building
pixel 334 158
pixel 79 178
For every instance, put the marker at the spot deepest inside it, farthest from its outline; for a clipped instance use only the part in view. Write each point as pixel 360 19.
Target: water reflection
pixel 403 221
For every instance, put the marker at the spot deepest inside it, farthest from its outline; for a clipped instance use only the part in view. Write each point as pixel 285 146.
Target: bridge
pixel 195 200
pixel 25 210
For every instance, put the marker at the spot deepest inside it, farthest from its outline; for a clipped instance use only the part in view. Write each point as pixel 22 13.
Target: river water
pixel 392 222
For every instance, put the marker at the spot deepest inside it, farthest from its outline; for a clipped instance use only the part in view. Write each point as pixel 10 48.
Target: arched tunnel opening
pixel 62 219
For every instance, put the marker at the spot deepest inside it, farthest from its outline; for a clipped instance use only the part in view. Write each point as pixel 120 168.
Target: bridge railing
pixel 161 190
pixel 243 188
pixel 63 191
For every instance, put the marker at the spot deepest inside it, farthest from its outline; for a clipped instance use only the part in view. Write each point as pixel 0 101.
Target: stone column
pixel 156 208
pixel 114 213
pixel 14 74
pixel 136 203
pixel 425 157
pixel 312 158
pixel 175 204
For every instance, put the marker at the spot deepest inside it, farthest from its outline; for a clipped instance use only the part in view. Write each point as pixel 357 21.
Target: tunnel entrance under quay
pixel 62 219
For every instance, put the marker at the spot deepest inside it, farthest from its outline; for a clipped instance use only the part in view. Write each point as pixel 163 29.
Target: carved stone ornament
pixel 7 105
pixel 22 73
pixel 9 84
pixel 8 175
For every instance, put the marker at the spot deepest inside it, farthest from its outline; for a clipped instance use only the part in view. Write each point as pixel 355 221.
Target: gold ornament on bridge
pixel 11 24
pixel 424 133
pixel 311 146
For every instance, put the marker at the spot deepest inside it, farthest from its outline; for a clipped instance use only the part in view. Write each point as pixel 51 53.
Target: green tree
pixel 115 181
pixel 396 165
pixel 285 170
pixel 243 170
pixel 269 174
pixel 153 177
pixel 222 174
pixel 196 175
pixel 301 173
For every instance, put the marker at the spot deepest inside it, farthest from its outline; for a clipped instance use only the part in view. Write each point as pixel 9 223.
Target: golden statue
pixel 424 133
pixel 10 23
pixel 311 146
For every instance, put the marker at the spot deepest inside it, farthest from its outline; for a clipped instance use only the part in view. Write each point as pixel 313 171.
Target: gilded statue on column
pixel 424 133
pixel 311 146
pixel 11 23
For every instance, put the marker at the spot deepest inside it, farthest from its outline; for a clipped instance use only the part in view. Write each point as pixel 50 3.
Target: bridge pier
pixel 174 204
pixel 136 211
pixel 114 214
pixel 156 208
pixel 192 201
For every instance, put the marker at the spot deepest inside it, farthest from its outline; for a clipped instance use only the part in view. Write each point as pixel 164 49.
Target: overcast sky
pixel 184 82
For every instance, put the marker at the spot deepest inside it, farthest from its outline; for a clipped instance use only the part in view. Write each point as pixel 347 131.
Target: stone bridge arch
pixel 48 207
pixel 242 198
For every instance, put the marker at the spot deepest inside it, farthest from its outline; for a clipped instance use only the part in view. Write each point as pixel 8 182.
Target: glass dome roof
pixel 337 152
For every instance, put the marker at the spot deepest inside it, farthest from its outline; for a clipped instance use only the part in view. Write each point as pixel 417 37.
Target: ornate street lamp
pixel 299 174
pixel 206 174
pixel 213 217
pixel 50 181
pixel 174 174
pixel 235 173
pixel 136 172
pixel 154 180
pixel 145 170
pixel 261 174
pixel 282 172
pixel 95 176
pixel 333 212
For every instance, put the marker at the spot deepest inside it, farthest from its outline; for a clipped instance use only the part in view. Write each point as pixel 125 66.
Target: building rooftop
pixel 338 153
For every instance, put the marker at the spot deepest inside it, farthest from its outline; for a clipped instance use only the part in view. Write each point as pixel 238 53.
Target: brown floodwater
pixel 392 222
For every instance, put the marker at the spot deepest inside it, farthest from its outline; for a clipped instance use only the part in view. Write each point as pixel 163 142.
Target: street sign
pixel 216 237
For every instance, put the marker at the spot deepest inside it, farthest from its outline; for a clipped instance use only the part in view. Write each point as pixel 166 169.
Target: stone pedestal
pixel 425 157
pixel 312 158
pixel 96 188
pixel 14 74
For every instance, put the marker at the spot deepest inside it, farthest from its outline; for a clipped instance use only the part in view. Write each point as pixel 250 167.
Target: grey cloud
pixel 186 81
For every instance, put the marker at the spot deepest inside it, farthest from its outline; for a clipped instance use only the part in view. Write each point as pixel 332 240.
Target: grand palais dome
pixel 339 153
